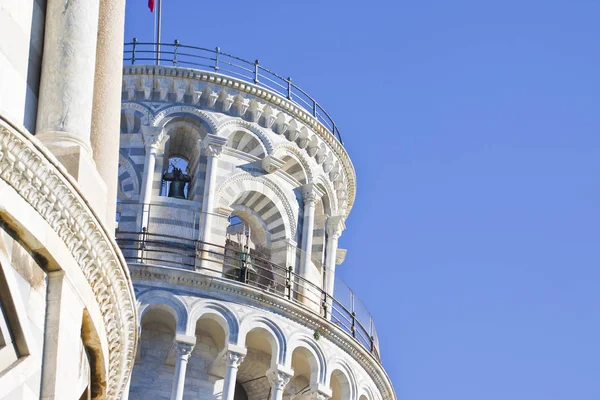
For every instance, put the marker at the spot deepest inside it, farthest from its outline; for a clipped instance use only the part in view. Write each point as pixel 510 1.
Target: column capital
pixel 335 226
pixel 279 376
pixel 271 164
pixel 213 145
pixel 234 359
pixel 154 137
pixel 340 256
pixel 183 350
pixel 184 345
pixel 318 392
pixel 311 194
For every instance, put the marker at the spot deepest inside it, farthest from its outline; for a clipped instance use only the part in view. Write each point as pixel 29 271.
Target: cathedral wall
pixel 45 299
pixel 22 33
pixel 23 286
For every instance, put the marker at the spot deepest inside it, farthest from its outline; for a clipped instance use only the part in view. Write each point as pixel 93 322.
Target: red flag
pixel 151 5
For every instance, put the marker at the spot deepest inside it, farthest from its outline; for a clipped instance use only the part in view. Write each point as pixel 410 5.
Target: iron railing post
pixel 314 109
pixel 353 327
pixel 372 344
pixel 288 282
pixel 256 71
pixel 217 50
pixel 289 91
pixel 175 52
pixel 133 51
pixel 143 244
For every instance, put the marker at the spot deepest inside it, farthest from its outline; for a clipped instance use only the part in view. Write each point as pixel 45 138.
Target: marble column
pixel 311 196
pixel 64 114
pixel 183 351
pixel 279 377
pixel 233 360
pixel 106 109
pixel 335 227
pixel 154 139
pixel 67 79
pixel 61 353
pixel 291 261
pixel 213 147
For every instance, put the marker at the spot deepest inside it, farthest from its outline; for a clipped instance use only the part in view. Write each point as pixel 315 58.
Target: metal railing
pixel 168 239
pixel 217 61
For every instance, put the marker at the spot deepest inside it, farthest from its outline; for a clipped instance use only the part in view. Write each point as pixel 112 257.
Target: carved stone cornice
pixel 311 194
pixel 213 145
pixel 154 137
pixel 271 164
pixel 43 182
pixel 335 226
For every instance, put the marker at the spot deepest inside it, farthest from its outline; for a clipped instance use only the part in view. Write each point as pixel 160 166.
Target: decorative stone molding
pixel 272 119
pixel 271 164
pixel 145 111
pixel 279 377
pixel 162 116
pixel 257 130
pixel 311 194
pixel 293 150
pixel 154 137
pixel 234 359
pixel 340 256
pixel 213 145
pixel 335 226
pixel 183 350
pixel 133 179
pixel 43 182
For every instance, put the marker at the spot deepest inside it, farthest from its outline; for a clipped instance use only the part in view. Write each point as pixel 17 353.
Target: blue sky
pixel 474 128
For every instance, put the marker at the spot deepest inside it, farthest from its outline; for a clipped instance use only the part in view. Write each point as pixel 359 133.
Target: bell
pixel 178 181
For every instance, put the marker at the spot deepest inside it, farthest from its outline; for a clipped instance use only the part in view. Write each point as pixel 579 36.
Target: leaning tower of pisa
pixel 234 186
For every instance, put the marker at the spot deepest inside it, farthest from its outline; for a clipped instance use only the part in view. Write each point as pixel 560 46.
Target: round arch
pixel 159 299
pixel 129 181
pixel 277 337
pixel 225 129
pixel 365 393
pixel 325 185
pixel 236 185
pixel 145 111
pixel 163 116
pixel 301 340
pixel 220 314
pixel 292 151
pixel 341 367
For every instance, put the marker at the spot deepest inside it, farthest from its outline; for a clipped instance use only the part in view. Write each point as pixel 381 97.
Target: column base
pixel 80 165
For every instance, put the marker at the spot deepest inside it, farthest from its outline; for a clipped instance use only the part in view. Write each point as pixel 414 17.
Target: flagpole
pixel 158 17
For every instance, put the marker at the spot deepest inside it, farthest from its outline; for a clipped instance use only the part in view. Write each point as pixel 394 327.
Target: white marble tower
pixel 235 276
